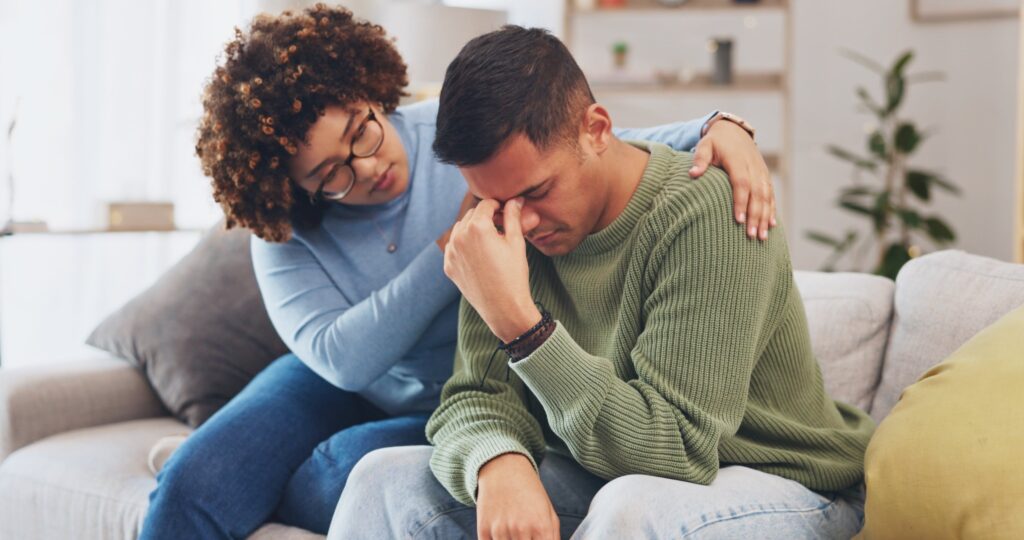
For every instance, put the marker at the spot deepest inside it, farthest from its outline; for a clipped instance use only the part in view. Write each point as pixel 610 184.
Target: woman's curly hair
pixel 273 84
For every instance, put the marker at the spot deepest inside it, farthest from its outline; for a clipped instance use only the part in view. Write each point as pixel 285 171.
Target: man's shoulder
pixel 684 201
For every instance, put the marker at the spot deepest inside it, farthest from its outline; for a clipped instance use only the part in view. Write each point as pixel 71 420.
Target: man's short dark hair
pixel 514 80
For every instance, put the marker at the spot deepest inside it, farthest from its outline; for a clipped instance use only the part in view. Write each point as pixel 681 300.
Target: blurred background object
pixel 110 95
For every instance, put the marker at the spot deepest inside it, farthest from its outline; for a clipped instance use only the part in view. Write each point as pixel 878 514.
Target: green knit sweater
pixel 681 346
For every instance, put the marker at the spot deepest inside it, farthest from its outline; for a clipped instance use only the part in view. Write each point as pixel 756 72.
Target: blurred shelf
pixel 81 232
pixel 581 18
pixel 750 82
pixel 690 5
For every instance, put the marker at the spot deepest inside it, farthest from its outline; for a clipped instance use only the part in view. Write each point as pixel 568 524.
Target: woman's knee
pixel 191 474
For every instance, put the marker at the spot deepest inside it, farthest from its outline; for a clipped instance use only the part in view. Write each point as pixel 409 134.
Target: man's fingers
pixel 555 528
pixel 485 209
pixel 513 218
pixel 701 158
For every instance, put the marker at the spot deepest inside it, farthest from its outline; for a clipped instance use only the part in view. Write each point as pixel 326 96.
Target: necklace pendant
pixel 392 248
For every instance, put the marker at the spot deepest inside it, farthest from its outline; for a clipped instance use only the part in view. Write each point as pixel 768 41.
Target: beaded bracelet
pixel 522 346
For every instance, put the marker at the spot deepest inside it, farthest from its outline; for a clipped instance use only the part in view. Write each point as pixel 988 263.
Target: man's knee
pixel 620 505
pixel 385 468
pixel 385 490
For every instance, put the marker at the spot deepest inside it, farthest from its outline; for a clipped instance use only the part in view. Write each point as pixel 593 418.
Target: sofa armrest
pixel 39 401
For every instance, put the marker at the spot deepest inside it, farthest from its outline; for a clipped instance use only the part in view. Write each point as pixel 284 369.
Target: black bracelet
pixel 514 348
pixel 544 318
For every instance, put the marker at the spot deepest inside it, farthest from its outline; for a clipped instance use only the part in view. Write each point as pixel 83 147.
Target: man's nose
pixel 528 218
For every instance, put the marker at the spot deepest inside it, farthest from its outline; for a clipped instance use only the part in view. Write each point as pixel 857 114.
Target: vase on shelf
pixel 721 50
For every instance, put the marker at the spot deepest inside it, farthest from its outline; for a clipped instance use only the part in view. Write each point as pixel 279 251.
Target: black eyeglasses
pixel 365 143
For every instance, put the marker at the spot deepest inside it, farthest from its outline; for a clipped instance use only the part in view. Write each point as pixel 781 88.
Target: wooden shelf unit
pixel 769 82
pixel 742 82
pixel 690 5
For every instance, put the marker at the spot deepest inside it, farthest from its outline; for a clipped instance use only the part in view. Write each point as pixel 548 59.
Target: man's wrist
pixel 499 463
pixel 518 324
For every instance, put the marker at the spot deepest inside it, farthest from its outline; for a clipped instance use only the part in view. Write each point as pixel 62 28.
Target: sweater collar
pixel 615 234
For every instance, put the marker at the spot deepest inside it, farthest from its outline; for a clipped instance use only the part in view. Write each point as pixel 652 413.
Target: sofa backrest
pixel 848 316
pixel 942 300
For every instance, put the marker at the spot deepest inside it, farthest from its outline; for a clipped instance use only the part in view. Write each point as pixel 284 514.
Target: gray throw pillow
pixel 201 332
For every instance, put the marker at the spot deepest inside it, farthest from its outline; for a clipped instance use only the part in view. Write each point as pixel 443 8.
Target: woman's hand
pixel 468 202
pixel 730 147
pixel 512 503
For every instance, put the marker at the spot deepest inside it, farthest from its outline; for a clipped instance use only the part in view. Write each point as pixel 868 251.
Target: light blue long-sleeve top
pixel 377 323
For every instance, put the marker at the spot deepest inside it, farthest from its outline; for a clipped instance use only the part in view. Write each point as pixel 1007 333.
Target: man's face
pixel 560 194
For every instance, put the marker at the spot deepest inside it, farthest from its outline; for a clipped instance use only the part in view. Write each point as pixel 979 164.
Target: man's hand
pixel 511 502
pixel 468 202
pixel 490 268
pixel 730 147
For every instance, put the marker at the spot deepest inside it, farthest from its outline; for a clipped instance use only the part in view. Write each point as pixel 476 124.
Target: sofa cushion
pixel 87 483
pixel 941 301
pixel 91 483
pixel 944 463
pixel 848 316
pixel 201 332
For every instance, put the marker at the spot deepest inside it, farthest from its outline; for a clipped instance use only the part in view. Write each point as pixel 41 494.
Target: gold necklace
pixel 392 246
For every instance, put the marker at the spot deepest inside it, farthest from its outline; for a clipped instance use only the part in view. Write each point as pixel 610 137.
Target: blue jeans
pixel 392 494
pixel 281 450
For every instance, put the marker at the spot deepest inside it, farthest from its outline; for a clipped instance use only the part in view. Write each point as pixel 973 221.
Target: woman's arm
pixel 348 341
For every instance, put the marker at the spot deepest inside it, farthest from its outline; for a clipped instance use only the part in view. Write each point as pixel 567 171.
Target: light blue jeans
pixel 391 493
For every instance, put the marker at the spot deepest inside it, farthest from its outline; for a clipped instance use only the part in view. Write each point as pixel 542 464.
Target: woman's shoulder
pixel 419 113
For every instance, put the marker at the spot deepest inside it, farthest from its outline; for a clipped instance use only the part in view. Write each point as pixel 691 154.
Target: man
pixel 639 338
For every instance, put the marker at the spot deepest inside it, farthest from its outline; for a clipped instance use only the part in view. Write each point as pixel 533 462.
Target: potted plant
pixel 886 189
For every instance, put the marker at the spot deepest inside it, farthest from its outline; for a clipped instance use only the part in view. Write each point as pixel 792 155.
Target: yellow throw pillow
pixel 948 461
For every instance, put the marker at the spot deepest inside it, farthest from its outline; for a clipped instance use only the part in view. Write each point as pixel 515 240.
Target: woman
pixel 350 211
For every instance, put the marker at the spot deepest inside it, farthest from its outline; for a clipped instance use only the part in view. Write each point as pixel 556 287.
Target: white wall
pixel 972 111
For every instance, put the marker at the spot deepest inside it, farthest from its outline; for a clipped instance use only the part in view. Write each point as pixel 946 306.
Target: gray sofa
pixel 74 439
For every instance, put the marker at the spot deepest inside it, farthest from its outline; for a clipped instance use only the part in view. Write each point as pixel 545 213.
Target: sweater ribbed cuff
pixel 486 449
pixel 563 376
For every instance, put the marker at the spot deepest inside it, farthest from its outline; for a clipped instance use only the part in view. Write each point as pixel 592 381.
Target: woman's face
pixel 379 178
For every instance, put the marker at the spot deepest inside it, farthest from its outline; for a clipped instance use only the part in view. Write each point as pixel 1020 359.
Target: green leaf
pixel 894 259
pixel 907 137
pixel 894 87
pixel 916 177
pixel 911 218
pixel 901 63
pixel 928 76
pixel 856 191
pixel 868 102
pixel 823 239
pixel 857 208
pixel 939 230
pixel 919 184
pixel 857 161
pixel 881 210
pixel 863 60
pixel 945 184
pixel 876 145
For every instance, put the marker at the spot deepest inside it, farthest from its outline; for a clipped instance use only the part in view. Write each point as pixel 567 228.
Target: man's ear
pixel 597 128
